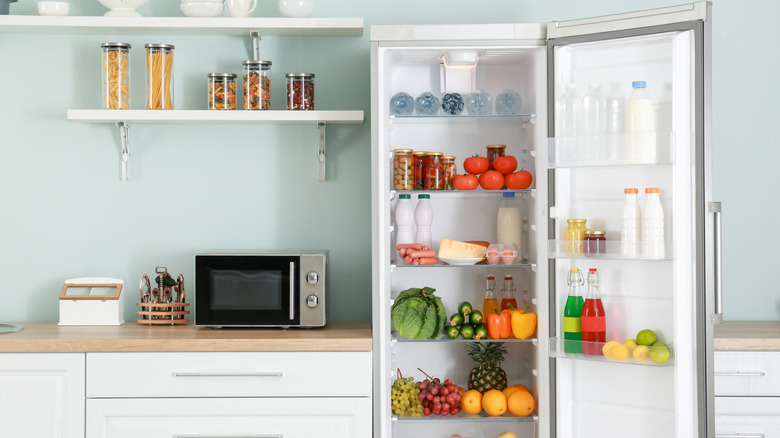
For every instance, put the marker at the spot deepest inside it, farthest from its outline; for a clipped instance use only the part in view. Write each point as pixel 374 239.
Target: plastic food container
pixel 159 76
pixel 300 91
pixel 116 75
pixel 257 85
pixel 501 253
pixel 403 175
pixel 222 91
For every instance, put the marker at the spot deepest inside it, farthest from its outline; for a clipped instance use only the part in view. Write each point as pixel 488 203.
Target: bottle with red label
pixel 508 300
pixel 594 319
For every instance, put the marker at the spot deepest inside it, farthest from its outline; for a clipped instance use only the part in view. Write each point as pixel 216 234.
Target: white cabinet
pixel 42 395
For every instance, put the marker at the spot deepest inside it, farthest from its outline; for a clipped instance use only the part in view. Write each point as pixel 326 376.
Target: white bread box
pixel 91 301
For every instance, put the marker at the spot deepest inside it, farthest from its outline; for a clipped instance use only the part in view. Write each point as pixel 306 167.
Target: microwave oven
pixel 267 289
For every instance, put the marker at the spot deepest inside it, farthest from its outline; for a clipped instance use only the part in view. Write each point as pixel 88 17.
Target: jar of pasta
pixel 403 175
pixel 300 91
pixel 450 169
pixel 257 85
pixel 434 172
pixel 159 76
pixel 116 75
pixel 222 91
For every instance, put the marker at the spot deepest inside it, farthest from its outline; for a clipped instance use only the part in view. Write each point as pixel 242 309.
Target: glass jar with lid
pixel 450 169
pixel 595 242
pixel 222 91
pixel 300 91
pixel 420 159
pixel 434 172
pixel 403 174
pixel 257 85
pixel 159 76
pixel 494 151
pixel 574 237
pixel 116 75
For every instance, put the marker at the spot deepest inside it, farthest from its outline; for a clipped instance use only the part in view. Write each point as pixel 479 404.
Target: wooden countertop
pixel 49 337
pixel 748 335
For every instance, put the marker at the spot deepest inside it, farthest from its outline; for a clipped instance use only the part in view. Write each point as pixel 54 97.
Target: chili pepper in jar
pixel 434 172
pixel 300 91
pixel 420 160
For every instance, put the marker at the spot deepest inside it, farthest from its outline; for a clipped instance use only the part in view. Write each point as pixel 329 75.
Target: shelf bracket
pixel 255 35
pixel 125 145
pixel 321 150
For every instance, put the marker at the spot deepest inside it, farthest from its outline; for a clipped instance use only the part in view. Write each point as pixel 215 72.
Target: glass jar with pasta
pixel 159 76
pixel 257 85
pixel 222 91
pixel 116 75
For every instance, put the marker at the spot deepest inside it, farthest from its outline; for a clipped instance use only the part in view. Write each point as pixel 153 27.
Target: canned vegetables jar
pixel 403 175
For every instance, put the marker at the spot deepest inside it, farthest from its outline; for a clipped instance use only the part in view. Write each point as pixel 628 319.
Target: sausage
pixel 415 246
pixel 427 261
pixel 408 259
pixel 402 252
pixel 421 254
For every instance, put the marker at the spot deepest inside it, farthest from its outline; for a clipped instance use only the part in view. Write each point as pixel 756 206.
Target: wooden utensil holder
pixel 162 313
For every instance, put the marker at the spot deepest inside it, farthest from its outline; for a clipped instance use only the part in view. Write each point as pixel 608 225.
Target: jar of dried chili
pixel 300 91
pixel 257 85
pixel 434 172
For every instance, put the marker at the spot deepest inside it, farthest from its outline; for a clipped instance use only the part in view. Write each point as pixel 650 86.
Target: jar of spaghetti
pixel 257 85
pixel 574 237
pixel 403 174
pixel 434 172
pixel 494 151
pixel 222 91
pixel 300 91
pixel 448 162
pixel 420 159
pixel 159 76
pixel 116 75
pixel 595 242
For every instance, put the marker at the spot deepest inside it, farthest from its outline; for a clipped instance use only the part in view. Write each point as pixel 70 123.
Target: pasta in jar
pixel 222 91
pixel 116 75
pixel 257 85
pixel 159 76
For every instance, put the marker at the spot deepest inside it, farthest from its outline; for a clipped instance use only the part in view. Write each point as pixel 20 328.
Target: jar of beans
pixel 420 159
pixel 300 91
pixel 403 175
pixel 450 169
pixel 434 172
pixel 494 151
pixel 257 85
pixel 222 91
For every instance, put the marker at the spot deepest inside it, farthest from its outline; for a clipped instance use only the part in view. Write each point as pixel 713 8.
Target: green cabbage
pixel 418 314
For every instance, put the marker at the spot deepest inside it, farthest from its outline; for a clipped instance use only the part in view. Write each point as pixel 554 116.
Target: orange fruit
pixel 521 403
pixel 521 386
pixel 509 390
pixel 471 402
pixel 494 402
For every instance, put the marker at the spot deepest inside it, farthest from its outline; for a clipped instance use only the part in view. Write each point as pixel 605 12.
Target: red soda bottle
pixel 508 294
pixel 594 319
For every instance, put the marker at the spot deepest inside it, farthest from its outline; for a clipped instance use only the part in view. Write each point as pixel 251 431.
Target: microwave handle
pixel 292 290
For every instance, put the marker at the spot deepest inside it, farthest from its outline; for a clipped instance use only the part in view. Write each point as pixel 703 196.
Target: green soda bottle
pixel 572 328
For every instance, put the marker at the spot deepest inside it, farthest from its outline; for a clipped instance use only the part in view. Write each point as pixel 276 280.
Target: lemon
pixel 641 352
pixel 646 337
pixel 619 352
pixel 608 347
pixel 630 344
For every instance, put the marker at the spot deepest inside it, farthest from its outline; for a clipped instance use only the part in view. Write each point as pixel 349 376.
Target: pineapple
pixel 488 373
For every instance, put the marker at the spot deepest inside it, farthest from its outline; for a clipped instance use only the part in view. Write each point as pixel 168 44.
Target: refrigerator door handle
pixel 715 209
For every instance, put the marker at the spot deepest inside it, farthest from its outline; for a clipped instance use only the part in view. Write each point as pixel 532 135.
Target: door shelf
pixel 557 250
pixel 604 150
pixel 557 350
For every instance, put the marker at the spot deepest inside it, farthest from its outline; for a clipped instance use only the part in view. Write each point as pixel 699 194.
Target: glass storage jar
pixel 450 169
pixel 300 91
pixel 222 91
pixel 573 237
pixel 494 151
pixel 159 76
pixel 257 85
pixel 595 242
pixel 420 159
pixel 434 172
pixel 116 75
pixel 403 174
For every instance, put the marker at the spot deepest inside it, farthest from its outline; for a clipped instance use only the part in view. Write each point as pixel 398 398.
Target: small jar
pixel 222 91
pixel 494 151
pixel 257 85
pixel 403 173
pixel 450 169
pixel 434 172
pixel 300 91
pixel 420 159
pixel 574 237
pixel 595 242
pixel 159 76
pixel 116 75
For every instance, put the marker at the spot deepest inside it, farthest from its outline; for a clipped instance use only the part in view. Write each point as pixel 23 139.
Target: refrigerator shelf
pixel 443 118
pixel 604 150
pixel 556 250
pixel 477 193
pixel 468 417
pixel 557 350
pixel 482 264
pixel 396 339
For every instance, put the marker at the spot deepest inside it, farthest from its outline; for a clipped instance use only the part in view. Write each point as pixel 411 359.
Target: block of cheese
pixel 453 249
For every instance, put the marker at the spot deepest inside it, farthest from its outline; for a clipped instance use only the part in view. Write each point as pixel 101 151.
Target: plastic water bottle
pixel 423 218
pixel 631 225
pixel 653 226
pixel 594 122
pixel 509 223
pixel 640 126
pixel 616 122
pixel 404 221
pixel 569 113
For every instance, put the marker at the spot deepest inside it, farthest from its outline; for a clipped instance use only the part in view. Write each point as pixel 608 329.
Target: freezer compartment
pixel 613 351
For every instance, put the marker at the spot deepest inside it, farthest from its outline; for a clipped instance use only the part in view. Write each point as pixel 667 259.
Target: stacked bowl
pixel 202 8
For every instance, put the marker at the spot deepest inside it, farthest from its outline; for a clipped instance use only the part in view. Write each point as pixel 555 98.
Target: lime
pixel 646 337
pixel 659 354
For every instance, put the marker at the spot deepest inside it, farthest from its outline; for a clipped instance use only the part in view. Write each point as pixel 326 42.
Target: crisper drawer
pixel 229 417
pixel 747 417
pixel 229 374
pixel 747 373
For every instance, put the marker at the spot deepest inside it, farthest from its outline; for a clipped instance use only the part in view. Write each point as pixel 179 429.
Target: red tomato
pixel 491 180
pixel 475 165
pixel 465 182
pixel 505 165
pixel 519 180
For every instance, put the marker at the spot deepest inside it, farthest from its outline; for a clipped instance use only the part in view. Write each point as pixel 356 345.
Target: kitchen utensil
pixel 122 8
pixel 202 8
pixel 296 8
pixel 165 303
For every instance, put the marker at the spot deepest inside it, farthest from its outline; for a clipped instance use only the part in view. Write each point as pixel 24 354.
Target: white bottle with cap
pixel 631 225
pixel 423 219
pixel 640 126
pixel 404 221
pixel 653 226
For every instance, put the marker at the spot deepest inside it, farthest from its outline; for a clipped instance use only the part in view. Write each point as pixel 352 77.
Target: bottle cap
pixel 575 221
pixel 509 194
pixel 639 84
pixel 424 196
pixel 652 190
pixel 405 196
pixel 592 270
pixel 629 191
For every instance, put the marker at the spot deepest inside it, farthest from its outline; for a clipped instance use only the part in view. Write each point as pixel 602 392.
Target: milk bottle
pixel 640 126
pixel 508 223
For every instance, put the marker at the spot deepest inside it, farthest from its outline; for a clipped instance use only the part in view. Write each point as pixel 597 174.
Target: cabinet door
pixel 747 417
pixel 747 373
pixel 42 395
pixel 229 417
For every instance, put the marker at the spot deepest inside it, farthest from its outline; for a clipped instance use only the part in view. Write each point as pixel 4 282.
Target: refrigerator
pixel 578 174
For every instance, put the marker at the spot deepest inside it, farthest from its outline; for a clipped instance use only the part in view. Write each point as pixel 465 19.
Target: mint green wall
pixel 215 187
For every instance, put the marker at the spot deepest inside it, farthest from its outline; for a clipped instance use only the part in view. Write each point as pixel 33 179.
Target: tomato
pixel 520 180
pixel 491 180
pixel 465 182
pixel 505 165
pixel 475 165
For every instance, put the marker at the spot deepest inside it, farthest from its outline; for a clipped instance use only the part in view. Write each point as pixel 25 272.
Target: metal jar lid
pixel 160 46
pixel 222 75
pixel 300 75
pixel 260 63
pixel 595 233
pixel 116 46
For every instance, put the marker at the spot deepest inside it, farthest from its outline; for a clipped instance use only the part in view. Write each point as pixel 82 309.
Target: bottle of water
pixel 640 126
pixel 594 123
pixel 404 221
pixel 569 114
pixel 631 225
pixel 423 218
pixel 653 226
pixel 616 123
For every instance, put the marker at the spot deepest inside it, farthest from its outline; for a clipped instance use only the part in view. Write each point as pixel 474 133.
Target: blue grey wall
pixel 214 187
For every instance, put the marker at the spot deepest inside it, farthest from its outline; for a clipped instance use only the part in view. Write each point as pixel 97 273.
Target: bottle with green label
pixel 572 313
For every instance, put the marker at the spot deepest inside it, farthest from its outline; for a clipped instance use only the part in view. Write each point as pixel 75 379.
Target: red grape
pixel 448 382
pixel 426 412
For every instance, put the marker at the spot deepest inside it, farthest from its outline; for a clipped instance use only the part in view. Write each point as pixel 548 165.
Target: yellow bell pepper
pixel 523 323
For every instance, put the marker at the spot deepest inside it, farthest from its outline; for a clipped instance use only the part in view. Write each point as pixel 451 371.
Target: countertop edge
pixel 747 336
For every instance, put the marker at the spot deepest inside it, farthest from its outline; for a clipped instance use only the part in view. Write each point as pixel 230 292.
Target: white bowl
pixel 122 8
pixel 204 1
pixel 53 8
pixel 296 8
pixel 202 9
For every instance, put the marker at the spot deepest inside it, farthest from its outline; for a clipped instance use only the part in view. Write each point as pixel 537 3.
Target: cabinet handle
pixel 263 435
pixel 740 373
pixel 257 374
pixel 739 435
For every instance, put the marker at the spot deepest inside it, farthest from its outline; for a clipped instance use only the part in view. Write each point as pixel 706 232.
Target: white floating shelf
pixel 199 116
pixel 267 26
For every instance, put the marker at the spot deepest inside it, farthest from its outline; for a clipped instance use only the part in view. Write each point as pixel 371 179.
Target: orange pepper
pixel 499 325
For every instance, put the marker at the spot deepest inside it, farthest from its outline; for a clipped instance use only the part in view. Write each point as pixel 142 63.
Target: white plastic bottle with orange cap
pixel 631 225
pixel 653 226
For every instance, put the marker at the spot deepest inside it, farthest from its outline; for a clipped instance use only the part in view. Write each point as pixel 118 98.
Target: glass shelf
pixel 556 250
pixel 604 150
pixel 414 118
pixel 558 348
pixel 396 339
pixel 468 417
pixel 477 193
pixel 483 264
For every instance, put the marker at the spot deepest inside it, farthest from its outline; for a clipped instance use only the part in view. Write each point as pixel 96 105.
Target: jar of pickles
pixel 420 160
pixel 300 91
pixel 595 242
pixel 116 75
pixel 222 91
pixel 403 173
pixel 257 85
pixel 434 172
pixel 494 151
pixel 159 76
pixel 450 169
pixel 574 237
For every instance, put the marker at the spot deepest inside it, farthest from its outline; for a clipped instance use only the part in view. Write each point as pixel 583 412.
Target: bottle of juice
pixel 490 303
pixel 594 319
pixel 508 293
pixel 572 329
